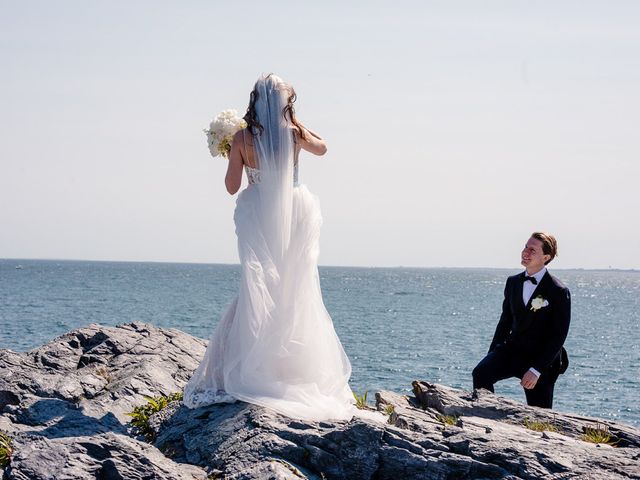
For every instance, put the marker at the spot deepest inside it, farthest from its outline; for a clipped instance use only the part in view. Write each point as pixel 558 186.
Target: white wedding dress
pixel 275 345
pixel 277 348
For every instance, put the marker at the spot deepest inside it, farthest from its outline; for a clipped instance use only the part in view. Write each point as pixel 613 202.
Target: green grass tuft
pixel 599 434
pixel 537 426
pixel 142 413
pixel 361 400
pixel 6 449
pixel 447 419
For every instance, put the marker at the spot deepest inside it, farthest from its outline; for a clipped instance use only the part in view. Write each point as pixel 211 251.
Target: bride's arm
pixel 312 142
pixel 233 179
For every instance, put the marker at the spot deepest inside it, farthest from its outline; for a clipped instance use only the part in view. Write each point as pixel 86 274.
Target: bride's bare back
pixel 243 153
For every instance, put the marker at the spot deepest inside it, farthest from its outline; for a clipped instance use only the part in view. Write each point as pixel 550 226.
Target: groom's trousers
pixel 502 363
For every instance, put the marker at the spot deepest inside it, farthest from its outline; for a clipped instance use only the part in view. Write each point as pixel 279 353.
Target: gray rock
pixel 65 404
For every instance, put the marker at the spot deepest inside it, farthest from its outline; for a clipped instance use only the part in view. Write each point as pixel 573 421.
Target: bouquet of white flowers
pixel 221 131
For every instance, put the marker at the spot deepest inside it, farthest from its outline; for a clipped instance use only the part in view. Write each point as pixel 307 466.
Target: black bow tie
pixel 531 279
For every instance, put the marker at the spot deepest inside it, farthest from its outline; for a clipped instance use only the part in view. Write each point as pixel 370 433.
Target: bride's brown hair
pixel 288 112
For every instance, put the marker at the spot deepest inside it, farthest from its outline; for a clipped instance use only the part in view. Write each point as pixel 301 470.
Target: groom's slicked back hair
pixel 549 244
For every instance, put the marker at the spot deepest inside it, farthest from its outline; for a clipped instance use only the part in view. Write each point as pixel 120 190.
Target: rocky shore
pixel 64 407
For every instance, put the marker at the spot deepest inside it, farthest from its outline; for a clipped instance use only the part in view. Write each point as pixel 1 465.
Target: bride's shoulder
pixel 243 136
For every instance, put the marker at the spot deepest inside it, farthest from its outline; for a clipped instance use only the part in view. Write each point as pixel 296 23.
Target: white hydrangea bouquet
pixel 221 131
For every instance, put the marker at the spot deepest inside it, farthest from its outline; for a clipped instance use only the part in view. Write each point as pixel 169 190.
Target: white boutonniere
pixel 538 303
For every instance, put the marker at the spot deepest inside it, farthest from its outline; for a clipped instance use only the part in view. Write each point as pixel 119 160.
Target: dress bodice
pixel 253 174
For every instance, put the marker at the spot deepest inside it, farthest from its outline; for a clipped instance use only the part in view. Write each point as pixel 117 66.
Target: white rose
pixel 538 303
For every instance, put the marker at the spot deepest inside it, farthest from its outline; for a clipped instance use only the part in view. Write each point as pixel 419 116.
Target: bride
pixel 275 345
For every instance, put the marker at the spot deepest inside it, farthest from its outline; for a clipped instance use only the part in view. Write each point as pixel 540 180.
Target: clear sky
pixel 455 128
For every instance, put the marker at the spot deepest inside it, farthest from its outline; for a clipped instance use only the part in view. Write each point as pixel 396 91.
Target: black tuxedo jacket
pixel 535 337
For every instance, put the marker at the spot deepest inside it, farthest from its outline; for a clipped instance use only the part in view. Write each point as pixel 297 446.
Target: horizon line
pixel 606 269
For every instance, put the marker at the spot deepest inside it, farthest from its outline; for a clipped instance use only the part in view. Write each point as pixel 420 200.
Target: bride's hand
pixel 306 130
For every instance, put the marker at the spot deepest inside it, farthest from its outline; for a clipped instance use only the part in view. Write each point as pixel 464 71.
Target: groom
pixel 532 329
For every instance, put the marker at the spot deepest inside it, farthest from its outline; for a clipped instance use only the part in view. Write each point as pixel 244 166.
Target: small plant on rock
pixel 361 400
pixel 104 373
pixel 142 413
pixel 6 449
pixel 599 434
pixel 447 419
pixel 538 426
pixel 390 410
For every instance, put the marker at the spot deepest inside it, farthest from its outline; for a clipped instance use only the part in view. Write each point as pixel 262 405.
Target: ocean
pixel 396 324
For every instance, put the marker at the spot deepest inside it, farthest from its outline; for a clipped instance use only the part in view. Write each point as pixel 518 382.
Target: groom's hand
pixel 529 380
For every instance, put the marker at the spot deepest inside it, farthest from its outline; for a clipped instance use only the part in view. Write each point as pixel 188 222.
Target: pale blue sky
pixel 454 128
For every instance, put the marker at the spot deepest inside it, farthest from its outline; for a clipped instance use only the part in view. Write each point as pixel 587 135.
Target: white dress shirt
pixel 528 287
pixel 527 292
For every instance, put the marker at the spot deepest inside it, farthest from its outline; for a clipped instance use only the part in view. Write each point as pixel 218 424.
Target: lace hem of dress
pixel 202 398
